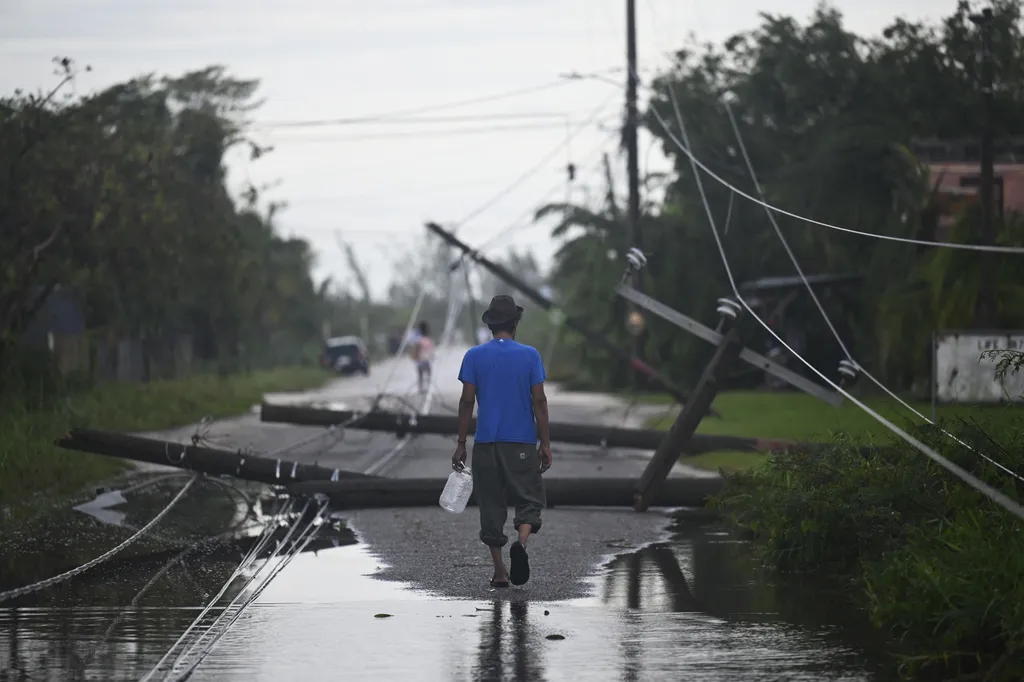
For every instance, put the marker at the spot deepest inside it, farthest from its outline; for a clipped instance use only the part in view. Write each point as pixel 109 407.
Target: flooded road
pixel 402 593
pixel 690 607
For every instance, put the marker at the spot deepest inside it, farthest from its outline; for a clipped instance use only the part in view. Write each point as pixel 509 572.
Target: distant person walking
pixel 506 379
pixel 483 335
pixel 422 348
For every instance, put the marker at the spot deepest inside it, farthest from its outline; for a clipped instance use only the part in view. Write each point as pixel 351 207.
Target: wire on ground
pixel 50 582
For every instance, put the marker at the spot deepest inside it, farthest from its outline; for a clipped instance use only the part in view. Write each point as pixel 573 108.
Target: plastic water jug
pixel 456 491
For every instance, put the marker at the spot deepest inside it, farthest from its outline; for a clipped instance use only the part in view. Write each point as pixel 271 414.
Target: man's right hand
pixel 545 457
pixel 459 458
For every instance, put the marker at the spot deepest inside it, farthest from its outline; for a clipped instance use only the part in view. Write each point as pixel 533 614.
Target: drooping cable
pixel 980 486
pixel 247 560
pixel 697 163
pixel 301 541
pixel 67 575
pixel 524 219
pixel 536 168
pixel 403 113
pixel 821 308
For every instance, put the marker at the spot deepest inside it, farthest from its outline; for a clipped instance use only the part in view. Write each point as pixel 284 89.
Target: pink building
pixel 955 168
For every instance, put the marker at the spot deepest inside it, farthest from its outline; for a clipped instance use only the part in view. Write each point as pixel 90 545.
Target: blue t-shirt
pixel 504 373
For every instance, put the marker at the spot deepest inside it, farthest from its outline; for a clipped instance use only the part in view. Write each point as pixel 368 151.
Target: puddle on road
pixel 690 608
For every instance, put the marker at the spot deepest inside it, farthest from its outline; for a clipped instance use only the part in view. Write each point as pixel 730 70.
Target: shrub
pixel 942 567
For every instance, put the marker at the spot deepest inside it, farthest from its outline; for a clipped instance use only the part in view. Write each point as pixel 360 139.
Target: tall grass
pixel 939 566
pixel 35 412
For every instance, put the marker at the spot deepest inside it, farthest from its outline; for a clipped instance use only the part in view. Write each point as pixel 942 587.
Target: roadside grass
pixel 729 462
pixel 937 565
pixel 33 469
pixel 798 416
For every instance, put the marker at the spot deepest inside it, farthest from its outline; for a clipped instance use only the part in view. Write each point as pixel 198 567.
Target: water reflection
pixel 116 620
pixel 509 647
pixel 691 608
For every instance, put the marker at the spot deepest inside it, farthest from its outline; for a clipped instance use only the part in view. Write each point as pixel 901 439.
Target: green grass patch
pixel 32 467
pixel 798 416
pixel 937 565
pixel 729 462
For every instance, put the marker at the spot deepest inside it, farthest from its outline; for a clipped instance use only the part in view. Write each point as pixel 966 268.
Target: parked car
pixel 346 355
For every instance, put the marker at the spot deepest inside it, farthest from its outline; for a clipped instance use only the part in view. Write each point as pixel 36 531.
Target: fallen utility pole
pixel 701 331
pixel 579 434
pixel 560 492
pixel 682 430
pixel 636 363
pixel 214 462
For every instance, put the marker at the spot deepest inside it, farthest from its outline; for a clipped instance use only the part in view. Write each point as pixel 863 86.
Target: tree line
pixel 830 120
pixel 119 197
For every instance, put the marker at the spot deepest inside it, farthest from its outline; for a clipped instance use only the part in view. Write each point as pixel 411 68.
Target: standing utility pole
pixel 632 151
pixel 474 322
pixel 986 312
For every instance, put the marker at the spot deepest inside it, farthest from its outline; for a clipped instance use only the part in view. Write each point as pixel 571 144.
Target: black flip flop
pixel 498 583
pixel 519 570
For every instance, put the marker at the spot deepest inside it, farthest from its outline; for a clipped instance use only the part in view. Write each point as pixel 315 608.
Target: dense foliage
pixel 119 197
pixel 829 119
pixel 937 564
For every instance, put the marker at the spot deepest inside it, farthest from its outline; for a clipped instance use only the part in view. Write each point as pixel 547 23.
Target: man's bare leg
pixel 500 573
pixel 519 572
pixel 524 533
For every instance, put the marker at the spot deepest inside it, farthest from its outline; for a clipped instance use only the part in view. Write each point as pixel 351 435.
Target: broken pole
pixel 575 324
pixel 214 462
pixel 579 434
pixel 560 492
pixel 711 336
pixel 682 430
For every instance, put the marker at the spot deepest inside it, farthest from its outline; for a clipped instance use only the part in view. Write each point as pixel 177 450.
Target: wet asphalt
pixel 614 595
pixel 439 551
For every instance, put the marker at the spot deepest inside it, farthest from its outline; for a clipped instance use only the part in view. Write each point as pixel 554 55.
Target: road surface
pixel 411 600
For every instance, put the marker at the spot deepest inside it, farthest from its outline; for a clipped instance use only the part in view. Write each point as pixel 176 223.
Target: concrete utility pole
pixel 632 152
pixel 986 311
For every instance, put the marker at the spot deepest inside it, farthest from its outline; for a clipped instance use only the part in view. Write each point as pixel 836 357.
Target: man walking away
pixel 423 356
pixel 506 379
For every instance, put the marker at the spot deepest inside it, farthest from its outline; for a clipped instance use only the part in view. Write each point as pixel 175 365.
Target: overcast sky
pixel 329 59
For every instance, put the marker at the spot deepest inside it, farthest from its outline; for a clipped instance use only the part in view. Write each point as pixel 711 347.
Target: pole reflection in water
pixel 693 608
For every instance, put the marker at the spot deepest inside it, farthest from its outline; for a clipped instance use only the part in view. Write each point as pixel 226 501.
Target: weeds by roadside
pixel 938 565
pixel 31 466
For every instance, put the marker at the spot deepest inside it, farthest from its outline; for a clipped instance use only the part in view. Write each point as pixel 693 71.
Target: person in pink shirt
pixel 423 356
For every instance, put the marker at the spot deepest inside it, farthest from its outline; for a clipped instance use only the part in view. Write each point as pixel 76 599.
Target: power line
pixel 50 582
pixel 996 496
pixel 519 223
pixel 714 176
pixel 533 170
pixel 449 132
pixel 697 163
pixel 328 122
pixel 369 118
pixel 821 308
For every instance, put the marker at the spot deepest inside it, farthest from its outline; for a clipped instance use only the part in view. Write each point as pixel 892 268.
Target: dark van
pixel 346 355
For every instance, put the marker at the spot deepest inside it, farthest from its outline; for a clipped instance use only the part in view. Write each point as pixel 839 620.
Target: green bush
pixel 30 464
pixel 941 566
